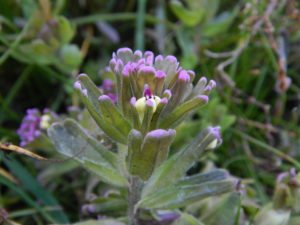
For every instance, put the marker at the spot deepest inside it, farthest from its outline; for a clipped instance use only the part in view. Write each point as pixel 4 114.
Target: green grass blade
pixel 268 148
pixel 26 198
pixel 35 189
pixel 140 23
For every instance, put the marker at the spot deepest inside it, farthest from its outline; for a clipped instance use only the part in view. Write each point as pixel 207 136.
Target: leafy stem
pixel 133 198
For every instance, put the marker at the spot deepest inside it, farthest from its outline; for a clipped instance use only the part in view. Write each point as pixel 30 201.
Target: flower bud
pixel 137 55
pixel 167 94
pixel 146 75
pixel 125 54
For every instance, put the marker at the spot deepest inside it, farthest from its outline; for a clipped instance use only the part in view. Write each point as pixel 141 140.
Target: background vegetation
pixel 250 47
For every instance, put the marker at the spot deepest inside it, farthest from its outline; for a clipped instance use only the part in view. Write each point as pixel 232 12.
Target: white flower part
pixel 213 144
pixel 141 104
pixel 45 121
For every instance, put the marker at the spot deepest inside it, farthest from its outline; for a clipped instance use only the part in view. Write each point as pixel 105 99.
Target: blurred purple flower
pixel 30 126
pixel 34 123
pixel 109 31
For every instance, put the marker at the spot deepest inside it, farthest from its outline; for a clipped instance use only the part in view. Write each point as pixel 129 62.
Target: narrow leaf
pixel 92 104
pixel 188 17
pixel 175 197
pixel 171 171
pixel 215 175
pixel 112 114
pixel 70 139
pixel 93 90
pixel 31 185
pixel 135 140
pixel 182 111
pixel 224 212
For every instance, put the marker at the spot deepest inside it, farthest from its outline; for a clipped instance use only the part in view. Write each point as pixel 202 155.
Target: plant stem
pixel 14 45
pixel 268 148
pixel 133 198
pixel 122 17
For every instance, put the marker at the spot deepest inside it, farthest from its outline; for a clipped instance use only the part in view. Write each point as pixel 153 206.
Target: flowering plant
pixel 153 96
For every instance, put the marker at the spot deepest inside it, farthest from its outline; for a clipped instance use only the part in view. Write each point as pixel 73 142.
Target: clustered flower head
pixel 157 82
pixel 33 124
pixel 154 95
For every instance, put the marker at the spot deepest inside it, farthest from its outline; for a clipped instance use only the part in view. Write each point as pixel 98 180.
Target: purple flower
pixel 34 123
pixel 135 70
pixel 151 92
pixel 30 126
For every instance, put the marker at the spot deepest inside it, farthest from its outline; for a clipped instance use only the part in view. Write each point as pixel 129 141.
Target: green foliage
pixel 226 211
pixel 214 113
pixel 70 140
pixel 101 222
pixel 44 44
pixel 187 219
pixel 189 17
pixel 181 195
